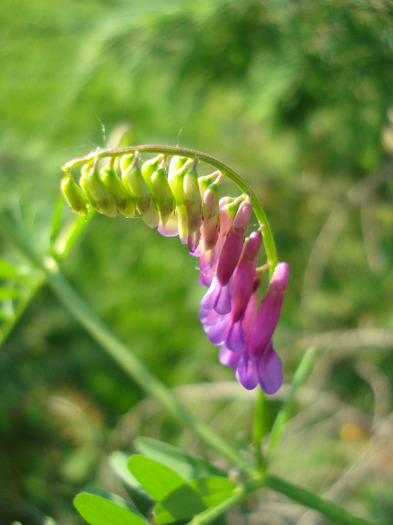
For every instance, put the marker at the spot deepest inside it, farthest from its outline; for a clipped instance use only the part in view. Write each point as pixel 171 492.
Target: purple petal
pixel 229 256
pixel 209 300
pixel 235 337
pixel 216 333
pixel 205 279
pixel 270 371
pixel 209 317
pixel 269 312
pixel 223 303
pixel 242 280
pixel 228 358
pixel 246 373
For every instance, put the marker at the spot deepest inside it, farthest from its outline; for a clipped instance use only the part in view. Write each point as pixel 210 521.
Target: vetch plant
pixel 239 312
pixel 168 195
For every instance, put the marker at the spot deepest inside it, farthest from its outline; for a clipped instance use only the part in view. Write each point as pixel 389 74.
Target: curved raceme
pixel 176 201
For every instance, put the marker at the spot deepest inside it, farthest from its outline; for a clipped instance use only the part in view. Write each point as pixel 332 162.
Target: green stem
pixel 238 495
pixel 329 509
pixel 259 427
pixel 268 240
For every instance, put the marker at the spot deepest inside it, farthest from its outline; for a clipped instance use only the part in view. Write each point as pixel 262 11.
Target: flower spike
pixel 173 198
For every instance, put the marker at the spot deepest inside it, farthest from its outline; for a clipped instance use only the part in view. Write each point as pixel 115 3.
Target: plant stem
pixel 259 427
pixel 268 239
pixel 329 509
pixel 239 494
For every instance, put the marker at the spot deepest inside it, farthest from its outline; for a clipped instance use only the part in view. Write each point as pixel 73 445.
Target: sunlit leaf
pixel 157 479
pixel 98 510
pixel 182 503
pixel 119 463
pixel 186 465
pixel 193 498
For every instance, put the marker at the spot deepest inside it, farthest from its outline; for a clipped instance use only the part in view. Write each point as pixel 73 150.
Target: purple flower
pixel 269 312
pixel 250 338
pixel 242 281
pixel 233 245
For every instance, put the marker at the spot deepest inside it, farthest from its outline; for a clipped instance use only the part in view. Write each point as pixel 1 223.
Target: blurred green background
pixel 297 96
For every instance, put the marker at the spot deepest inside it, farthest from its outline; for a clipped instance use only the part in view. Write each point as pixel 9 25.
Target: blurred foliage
pixel 297 96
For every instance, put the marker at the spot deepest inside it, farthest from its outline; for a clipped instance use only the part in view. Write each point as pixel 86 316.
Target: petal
pixel 246 373
pixel 269 312
pixel 205 279
pixel 223 303
pixel 169 229
pixel 270 371
pixel 216 333
pixel 228 358
pixel 209 300
pixel 209 317
pixel 235 337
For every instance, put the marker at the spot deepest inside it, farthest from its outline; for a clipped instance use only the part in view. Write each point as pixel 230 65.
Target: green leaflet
pixel 157 479
pixel 186 465
pixel 193 498
pixel 99 510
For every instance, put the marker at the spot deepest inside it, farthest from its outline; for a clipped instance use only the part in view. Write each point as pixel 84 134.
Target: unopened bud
pixel 207 180
pixel 150 166
pixel 127 160
pixel 233 244
pixel 176 164
pixel 74 196
pixel 210 217
pixel 124 201
pixel 193 204
pixel 97 192
pixel 162 194
pixel 136 185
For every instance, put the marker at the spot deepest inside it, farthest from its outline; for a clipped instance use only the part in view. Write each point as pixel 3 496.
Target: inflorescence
pixel 175 200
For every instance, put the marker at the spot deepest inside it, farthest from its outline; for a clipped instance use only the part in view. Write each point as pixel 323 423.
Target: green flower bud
pixel 192 199
pixel 162 194
pixel 97 192
pixel 124 201
pixel 176 164
pixel 211 217
pixel 126 161
pixel 74 196
pixel 176 178
pixel 136 185
pixel 150 166
pixel 206 181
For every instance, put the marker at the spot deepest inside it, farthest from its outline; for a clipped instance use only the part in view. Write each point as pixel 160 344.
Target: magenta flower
pixel 269 312
pixel 233 244
pixel 250 339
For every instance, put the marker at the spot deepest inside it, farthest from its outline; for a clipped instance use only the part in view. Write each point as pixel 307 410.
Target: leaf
pixel 186 465
pixel 98 510
pixel 180 504
pixel 119 463
pixel 193 498
pixel 213 489
pixel 157 479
